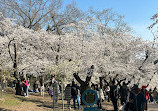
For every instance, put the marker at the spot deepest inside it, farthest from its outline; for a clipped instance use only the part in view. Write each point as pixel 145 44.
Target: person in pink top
pixel 26 83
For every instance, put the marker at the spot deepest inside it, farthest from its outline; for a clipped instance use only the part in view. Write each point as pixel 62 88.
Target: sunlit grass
pixel 8 100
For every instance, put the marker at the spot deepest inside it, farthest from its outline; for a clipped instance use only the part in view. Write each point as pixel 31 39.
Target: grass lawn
pixel 35 102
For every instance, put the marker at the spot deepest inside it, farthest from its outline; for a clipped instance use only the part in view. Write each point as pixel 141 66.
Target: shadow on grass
pixel 44 104
pixel 59 106
pixel 2 109
pixel 24 99
pixel 39 103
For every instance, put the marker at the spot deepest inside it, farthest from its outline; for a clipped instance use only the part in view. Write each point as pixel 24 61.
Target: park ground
pixel 11 102
pixel 35 102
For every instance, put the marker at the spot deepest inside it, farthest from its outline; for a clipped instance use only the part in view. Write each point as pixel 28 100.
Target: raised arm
pixel 138 81
pixel 119 81
pixel 147 84
pixel 106 82
pixel 128 82
pixel 89 74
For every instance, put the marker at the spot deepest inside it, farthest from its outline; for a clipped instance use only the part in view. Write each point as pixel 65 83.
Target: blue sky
pixel 137 12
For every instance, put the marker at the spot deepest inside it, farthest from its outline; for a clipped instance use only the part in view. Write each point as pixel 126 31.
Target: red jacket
pixel 145 92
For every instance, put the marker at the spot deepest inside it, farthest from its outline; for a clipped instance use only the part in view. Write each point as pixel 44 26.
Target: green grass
pixel 9 100
pixel 12 102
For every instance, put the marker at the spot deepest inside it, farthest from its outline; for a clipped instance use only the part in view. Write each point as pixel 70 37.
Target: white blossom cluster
pixel 80 47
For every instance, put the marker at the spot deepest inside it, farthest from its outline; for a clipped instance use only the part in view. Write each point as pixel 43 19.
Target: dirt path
pixel 152 107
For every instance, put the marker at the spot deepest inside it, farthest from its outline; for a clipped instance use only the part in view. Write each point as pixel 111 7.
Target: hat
pixel 53 75
pixel 135 87
pixel 144 87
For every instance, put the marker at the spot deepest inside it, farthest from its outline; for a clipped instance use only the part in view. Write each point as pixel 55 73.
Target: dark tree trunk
pixel 15 62
pixel 84 85
pixel 101 82
pixel 18 87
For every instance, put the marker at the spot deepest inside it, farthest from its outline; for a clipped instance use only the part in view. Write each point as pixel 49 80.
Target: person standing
pixel 56 89
pixel 151 96
pixel 124 92
pixel 36 87
pixel 146 95
pixel 75 94
pixel 14 84
pixel 114 91
pixel 50 90
pixel 107 89
pixel 4 82
pixel 100 95
pixel 155 95
pixel 137 99
pixel 68 96
pixel 114 95
pixel 26 87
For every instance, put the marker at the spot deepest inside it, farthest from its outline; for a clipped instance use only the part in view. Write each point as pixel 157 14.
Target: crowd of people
pixel 25 87
pixel 115 90
pixel 131 98
pixel 71 91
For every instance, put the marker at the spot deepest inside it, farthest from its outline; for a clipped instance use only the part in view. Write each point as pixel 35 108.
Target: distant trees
pixel 32 14
pixel 110 22
pixel 37 14
pixel 74 40
pixel 50 14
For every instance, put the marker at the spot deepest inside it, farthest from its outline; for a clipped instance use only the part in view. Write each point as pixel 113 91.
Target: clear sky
pixel 137 12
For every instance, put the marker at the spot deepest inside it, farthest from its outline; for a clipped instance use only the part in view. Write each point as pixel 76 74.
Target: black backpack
pixel 124 90
pixel 73 91
pixel 113 92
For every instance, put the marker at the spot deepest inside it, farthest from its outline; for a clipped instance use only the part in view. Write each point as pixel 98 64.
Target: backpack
pixel 113 92
pixel 73 91
pixel 123 90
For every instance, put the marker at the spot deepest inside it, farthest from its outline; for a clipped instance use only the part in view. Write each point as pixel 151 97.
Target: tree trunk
pixel 101 83
pixel 15 62
pixel 18 87
pixel 84 85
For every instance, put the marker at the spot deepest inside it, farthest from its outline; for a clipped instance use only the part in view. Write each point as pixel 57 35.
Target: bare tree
pixel 111 23
pixel 31 14
pixel 58 20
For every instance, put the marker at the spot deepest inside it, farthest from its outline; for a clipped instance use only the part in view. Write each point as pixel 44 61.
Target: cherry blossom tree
pixel 80 47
